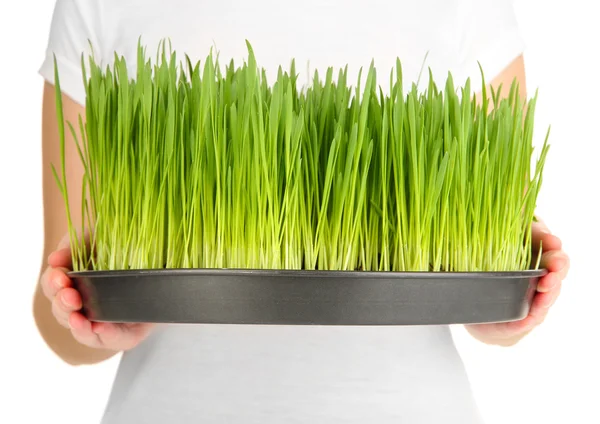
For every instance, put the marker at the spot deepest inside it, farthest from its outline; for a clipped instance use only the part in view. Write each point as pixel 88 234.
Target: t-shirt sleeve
pixel 492 38
pixel 74 29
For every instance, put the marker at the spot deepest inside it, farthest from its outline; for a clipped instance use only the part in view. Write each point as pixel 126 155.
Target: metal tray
pixel 233 296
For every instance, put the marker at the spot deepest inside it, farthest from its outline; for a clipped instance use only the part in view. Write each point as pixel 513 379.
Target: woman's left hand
pixel 556 261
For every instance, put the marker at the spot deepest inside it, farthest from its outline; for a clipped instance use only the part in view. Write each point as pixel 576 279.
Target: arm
pixel 56 304
pixel 516 69
pixel 59 338
pixel 554 259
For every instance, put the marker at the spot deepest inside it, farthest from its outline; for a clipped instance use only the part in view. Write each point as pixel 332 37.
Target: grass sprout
pixel 195 165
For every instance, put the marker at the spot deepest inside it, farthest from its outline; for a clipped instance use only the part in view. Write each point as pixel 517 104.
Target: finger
pixel 120 336
pixel 537 313
pixel 541 233
pixel 556 261
pixel 54 280
pixel 522 326
pixel 64 242
pixel 65 302
pixel 542 302
pixel 548 282
pixel 81 329
pixel 547 299
pixel 62 256
pixel 112 336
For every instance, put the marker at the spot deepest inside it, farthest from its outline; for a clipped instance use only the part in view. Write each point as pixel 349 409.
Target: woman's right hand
pixel 67 304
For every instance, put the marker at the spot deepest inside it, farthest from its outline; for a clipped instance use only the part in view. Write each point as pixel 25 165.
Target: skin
pixel 78 341
pixel 56 304
pixel 554 259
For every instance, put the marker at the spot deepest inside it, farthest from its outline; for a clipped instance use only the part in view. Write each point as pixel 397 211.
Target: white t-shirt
pixel 444 35
pixel 284 374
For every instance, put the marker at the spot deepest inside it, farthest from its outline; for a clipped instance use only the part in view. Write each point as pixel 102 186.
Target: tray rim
pixel 310 274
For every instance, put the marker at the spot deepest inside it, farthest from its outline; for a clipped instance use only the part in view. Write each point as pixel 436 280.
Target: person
pixel 276 374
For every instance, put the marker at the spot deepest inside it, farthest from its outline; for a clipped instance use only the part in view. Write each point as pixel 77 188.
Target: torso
pixel 261 374
pixel 316 33
pixel 310 375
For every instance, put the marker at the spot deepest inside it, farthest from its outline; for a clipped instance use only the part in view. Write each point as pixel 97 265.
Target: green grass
pixel 203 166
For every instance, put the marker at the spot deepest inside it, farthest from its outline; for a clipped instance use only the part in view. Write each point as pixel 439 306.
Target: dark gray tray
pixel 305 297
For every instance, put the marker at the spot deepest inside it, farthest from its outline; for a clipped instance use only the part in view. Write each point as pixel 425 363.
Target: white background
pixel 552 376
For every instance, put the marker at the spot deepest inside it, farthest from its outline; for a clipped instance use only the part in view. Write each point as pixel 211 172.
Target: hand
pixel 67 303
pixel 556 261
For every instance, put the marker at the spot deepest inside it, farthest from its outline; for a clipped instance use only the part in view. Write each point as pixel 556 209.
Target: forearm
pixel 59 338
pixel 515 70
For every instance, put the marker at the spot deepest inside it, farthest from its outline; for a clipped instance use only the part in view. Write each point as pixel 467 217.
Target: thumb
pixel 541 224
pixel 64 242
